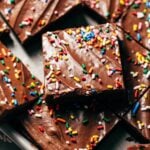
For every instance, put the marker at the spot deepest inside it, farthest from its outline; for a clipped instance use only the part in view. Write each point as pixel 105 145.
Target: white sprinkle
pixel 78 85
pixel 38 115
pixel 67 142
pixel 148 126
pixel 57 85
pixel 140 14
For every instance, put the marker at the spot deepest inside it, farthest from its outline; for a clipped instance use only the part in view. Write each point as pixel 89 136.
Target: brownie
pixel 72 126
pixel 111 10
pixel 17 85
pixel 137 78
pixel 28 17
pixel 82 62
pixel 136 22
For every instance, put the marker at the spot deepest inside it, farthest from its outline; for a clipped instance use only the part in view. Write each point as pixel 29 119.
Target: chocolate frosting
pixel 84 61
pixel 27 17
pixel 17 85
pixel 109 9
pixel 136 22
pixel 68 127
pixel 137 62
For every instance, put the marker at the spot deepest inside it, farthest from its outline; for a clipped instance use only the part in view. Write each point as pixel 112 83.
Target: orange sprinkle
pixel 61 120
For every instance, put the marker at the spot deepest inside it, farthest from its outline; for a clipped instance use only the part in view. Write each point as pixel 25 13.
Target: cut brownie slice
pixel 136 22
pixel 17 85
pixel 27 17
pixel 73 126
pixel 109 9
pixel 82 61
pixel 139 147
pixel 137 79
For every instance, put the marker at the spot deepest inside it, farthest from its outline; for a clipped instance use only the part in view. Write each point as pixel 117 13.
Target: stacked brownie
pixel 85 70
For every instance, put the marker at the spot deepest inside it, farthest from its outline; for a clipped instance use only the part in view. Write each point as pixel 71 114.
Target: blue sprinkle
pixel 87 36
pixel 93 91
pixel 135 108
pixel 148 4
pixel 139 38
pixel 15 102
pixel 33 93
pixel 5 79
pixel 12 94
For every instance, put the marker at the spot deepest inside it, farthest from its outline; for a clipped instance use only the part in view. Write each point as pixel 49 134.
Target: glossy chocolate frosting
pixel 109 9
pixel 137 78
pixel 136 22
pixel 139 147
pixel 67 127
pixel 17 85
pixel 82 61
pixel 27 17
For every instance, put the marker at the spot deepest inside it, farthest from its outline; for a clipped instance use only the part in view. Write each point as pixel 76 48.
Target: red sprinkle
pixel 41 129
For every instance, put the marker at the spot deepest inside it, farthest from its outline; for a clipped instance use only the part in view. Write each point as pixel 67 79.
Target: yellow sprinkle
pixel 109 86
pixel 70 129
pixel 72 116
pixel 107 42
pixel 69 31
pixel 76 79
pixel 65 58
pixel 13 58
pixel 3 51
pixel 148 35
pixel 78 31
pixel 52 76
pixel 33 84
pixel 74 132
pixel 138 122
pixel 107 67
pixel 122 2
pixel 16 76
pixel 135 27
pixel 53 80
pixel 99 38
pixel 145 10
pixel 87 28
pixel 79 45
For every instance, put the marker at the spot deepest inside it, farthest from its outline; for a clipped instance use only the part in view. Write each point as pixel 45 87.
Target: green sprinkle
pixel 47 66
pixel 145 71
pixel 2 62
pixel 85 71
pixel 128 37
pixel 135 6
pixel 21 25
pixel 39 101
pixel 32 76
pixel 15 89
pixel 5 71
pixel 96 75
pixel 67 125
pixel 17 60
pixel 83 66
pixel 107 120
pixel 12 1
pixel 85 121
